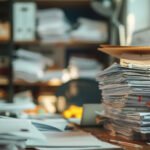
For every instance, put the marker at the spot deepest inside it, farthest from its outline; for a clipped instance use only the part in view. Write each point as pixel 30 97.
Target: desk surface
pixel 105 136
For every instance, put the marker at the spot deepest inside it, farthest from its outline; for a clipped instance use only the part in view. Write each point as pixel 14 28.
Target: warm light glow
pixel 48 102
pixel 54 82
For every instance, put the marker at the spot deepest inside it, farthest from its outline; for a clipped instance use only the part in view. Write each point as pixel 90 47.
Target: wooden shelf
pixel 51 83
pixel 63 3
pixel 69 43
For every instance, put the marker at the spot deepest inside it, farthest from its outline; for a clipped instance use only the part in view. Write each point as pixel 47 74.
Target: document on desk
pixel 18 133
pixel 79 148
pixel 20 129
pixel 75 140
pixel 58 124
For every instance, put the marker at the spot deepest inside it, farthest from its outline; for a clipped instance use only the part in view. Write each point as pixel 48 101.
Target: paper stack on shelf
pixel 126 92
pixel 52 25
pixel 34 56
pixel 84 67
pixel 27 70
pixel 96 29
pixel 30 66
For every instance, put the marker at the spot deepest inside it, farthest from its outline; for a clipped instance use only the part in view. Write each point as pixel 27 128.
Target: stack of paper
pixel 21 133
pixel 31 66
pixel 96 29
pixel 126 92
pixel 16 134
pixel 76 140
pixel 52 25
pixel 84 67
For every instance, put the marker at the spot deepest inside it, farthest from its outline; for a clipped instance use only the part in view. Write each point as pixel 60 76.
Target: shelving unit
pixel 73 9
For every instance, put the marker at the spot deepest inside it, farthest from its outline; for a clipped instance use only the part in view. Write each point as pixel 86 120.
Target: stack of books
pixel 126 92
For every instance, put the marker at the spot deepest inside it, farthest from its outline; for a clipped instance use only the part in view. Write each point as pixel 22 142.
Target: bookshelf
pixel 73 10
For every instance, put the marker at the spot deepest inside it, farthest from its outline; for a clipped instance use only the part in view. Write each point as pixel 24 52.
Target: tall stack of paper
pixel 126 92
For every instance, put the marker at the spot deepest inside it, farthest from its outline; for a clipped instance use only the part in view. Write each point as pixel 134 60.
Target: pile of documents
pixel 84 67
pixel 96 29
pixel 126 94
pixel 52 25
pixel 20 133
pixel 31 66
pixel 16 133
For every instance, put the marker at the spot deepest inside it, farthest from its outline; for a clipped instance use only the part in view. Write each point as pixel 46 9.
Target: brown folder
pixel 127 52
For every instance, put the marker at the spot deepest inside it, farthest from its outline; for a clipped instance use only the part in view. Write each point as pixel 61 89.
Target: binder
pixel 24 16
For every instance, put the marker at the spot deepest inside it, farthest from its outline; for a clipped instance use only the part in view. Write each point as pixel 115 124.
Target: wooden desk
pixel 104 135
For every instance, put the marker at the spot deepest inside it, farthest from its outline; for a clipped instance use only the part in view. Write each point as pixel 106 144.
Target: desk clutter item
pixel 126 93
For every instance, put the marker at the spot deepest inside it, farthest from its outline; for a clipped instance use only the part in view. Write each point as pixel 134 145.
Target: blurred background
pixel 48 49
